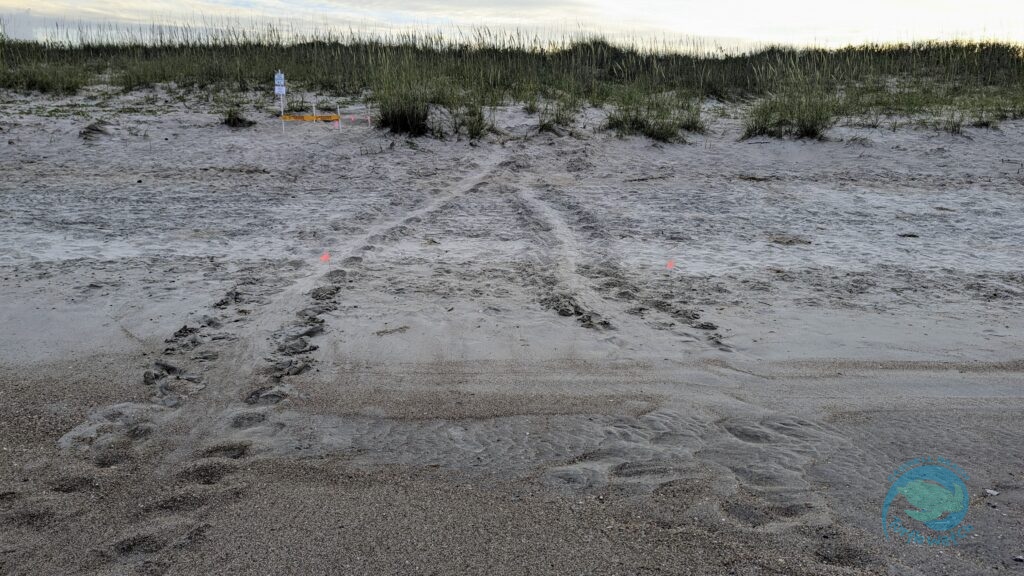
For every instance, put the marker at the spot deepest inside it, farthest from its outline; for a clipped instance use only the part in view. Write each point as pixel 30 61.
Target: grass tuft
pixel 531 106
pixel 559 115
pixel 475 122
pixel 234 118
pixel 954 123
pixel 403 111
pixel 792 113
pixel 660 117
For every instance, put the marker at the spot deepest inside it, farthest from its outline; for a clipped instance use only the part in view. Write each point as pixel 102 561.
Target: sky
pixel 802 22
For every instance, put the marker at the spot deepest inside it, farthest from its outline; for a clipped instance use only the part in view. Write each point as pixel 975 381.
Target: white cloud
pixel 799 21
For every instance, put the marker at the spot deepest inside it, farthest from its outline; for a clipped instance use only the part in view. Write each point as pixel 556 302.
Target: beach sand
pixel 315 350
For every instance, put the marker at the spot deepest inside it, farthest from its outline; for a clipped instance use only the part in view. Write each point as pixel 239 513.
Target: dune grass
pixel 558 114
pixel 792 113
pixel 404 109
pixel 473 118
pixel 655 92
pixel 233 117
pixel 658 116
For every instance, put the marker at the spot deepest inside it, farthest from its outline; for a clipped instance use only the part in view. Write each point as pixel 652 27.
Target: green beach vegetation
pixel 657 92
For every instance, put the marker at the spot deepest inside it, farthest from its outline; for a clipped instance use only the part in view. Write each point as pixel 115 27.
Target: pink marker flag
pixel 325 257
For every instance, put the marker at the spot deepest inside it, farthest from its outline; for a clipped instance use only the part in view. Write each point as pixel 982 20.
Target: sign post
pixel 280 90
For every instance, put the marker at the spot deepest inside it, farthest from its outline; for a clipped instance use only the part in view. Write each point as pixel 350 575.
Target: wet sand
pixel 495 370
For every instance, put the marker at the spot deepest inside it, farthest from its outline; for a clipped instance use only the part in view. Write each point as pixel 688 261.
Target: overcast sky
pixel 829 22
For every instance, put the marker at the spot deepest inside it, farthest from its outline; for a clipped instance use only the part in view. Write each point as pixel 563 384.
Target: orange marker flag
pixel 325 257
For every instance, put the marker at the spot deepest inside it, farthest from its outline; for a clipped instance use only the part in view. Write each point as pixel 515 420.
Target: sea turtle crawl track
pixel 499 314
pixel 233 385
pixel 586 288
pixel 279 319
pixel 240 373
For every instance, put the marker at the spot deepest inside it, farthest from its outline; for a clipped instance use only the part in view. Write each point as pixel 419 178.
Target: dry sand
pixel 496 372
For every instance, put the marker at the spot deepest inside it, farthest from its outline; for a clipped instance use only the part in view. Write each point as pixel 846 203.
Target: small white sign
pixel 279 79
pixel 280 90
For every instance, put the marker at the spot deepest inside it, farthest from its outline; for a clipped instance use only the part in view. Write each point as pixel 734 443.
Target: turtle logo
pixel 932 495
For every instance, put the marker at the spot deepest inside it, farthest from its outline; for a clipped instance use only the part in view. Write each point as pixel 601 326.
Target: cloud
pixel 797 21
